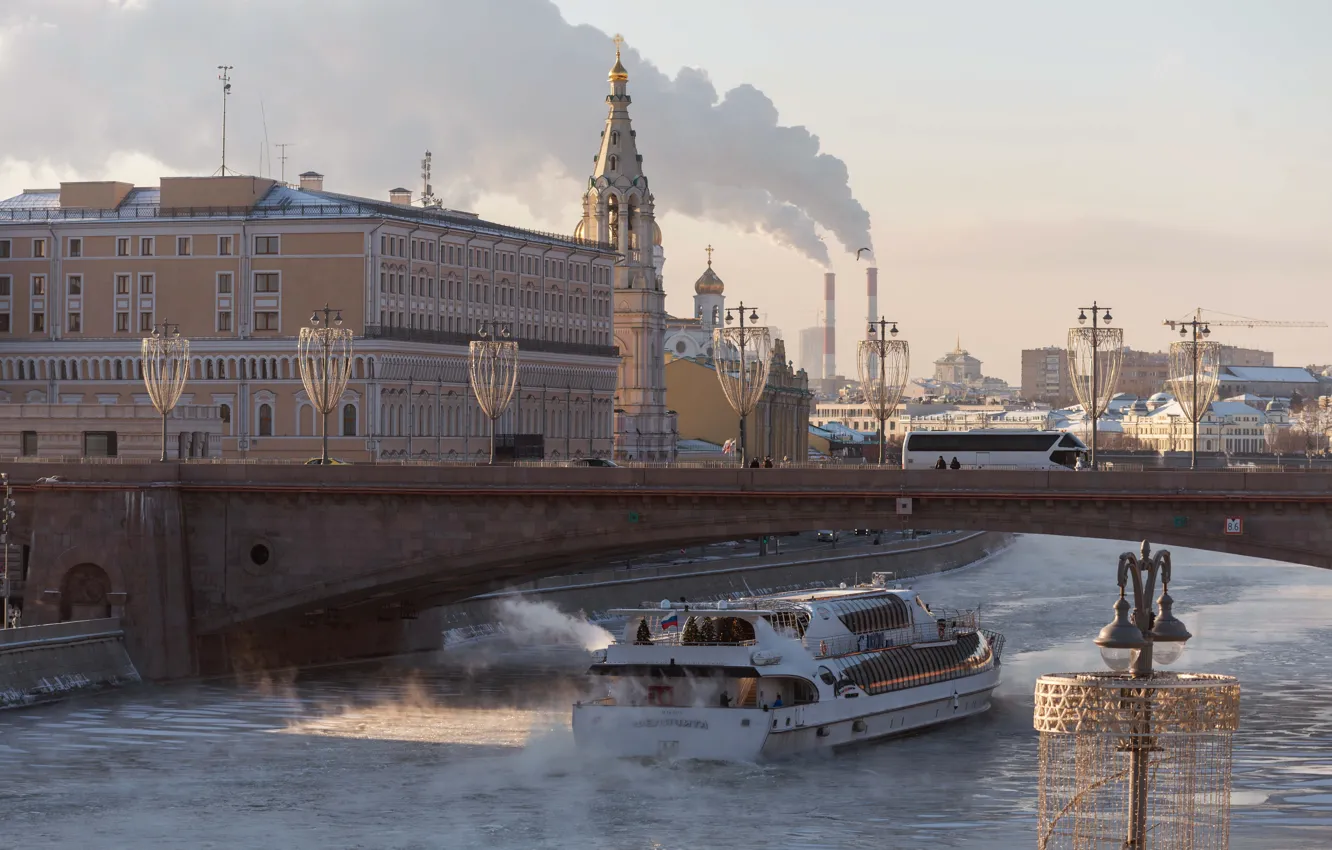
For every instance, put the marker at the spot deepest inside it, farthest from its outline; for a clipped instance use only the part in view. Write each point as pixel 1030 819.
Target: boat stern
pixel 670 732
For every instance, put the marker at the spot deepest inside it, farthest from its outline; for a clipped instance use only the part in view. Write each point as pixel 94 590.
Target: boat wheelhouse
pixel 766 676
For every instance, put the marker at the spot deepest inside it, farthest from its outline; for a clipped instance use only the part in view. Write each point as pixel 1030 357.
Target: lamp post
pixel 742 356
pixel 324 354
pixel 166 364
pixel 1127 644
pixel 6 516
pixel 883 364
pixel 492 366
pixel 1195 367
pixel 1094 380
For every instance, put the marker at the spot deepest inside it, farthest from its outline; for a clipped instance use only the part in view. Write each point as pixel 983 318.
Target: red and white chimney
pixel 872 296
pixel 830 325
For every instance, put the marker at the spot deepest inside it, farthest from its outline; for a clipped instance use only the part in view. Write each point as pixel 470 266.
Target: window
pixel 266 321
pixel 224 283
pixel 224 246
pixel 265 420
pixel 122 246
pixel 29 444
pixel 5 249
pixel 39 248
pixel 182 246
pixel 6 282
pixel 38 322
pixel 4 323
pixel 613 161
pixel 75 323
pixel 266 282
pixel 224 410
pixel 75 284
pixel 145 284
pixel 383 244
pixel 75 246
pixel 266 244
pixel 146 246
pixel 38 284
pixel 146 322
pixel 122 323
pixel 99 443
pixel 224 320
pixel 122 284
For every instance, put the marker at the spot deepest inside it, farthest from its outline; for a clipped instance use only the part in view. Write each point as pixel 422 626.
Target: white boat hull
pixel 752 734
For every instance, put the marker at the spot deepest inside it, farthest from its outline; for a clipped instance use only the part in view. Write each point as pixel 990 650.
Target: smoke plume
pixel 505 95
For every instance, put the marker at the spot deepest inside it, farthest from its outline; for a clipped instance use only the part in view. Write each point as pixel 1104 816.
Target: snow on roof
pixel 1269 374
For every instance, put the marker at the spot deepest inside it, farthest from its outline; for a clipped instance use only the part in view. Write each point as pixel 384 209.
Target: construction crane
pixel 1231 321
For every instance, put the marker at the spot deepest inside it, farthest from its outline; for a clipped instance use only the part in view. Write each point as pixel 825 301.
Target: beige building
pixel 1045 376
pixel 38 429
pixel 778 427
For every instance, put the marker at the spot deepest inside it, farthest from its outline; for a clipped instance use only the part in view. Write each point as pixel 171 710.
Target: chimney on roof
pixel 400 196
pixel 312 181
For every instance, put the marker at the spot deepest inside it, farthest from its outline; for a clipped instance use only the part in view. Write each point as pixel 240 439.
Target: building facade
pixel 618 212
pixel 957 367
pixel 1045 376
pixel 238 263
pixel 778 427
pixel 108 430
pixel 688 338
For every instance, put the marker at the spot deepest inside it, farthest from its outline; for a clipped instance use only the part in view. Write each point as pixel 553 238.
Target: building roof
pixel 279 202
pixel 1268 374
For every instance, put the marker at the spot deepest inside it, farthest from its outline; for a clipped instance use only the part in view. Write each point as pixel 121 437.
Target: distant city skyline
pixel 1014 161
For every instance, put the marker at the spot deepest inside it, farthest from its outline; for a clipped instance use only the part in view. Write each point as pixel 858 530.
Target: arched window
pixel 349 420
pixel 613 161
pixel 615 138
pixel 265 420
pixel 225 411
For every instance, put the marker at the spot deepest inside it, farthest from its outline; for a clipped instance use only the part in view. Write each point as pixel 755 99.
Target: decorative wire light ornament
pixel 1190 359
pixel 883 366
pixel 1095 356
pixel 492 365
pixel 1094 726
pixel 324 355
pixel 166 364
pixel 742 356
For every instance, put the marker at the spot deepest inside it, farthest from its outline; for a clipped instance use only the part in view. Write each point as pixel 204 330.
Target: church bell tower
pixel 617 209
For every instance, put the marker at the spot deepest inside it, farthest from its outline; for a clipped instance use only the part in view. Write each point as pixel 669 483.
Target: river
pixel 458 752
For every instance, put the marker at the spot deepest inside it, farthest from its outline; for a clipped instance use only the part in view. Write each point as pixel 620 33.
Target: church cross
pixel 709 250
pixel 619 39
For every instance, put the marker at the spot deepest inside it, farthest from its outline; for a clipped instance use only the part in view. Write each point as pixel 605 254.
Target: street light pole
pixel 166 365
pixel 1093 410
pixel 1127 645
pixel 1197 349
pixel 492 364
pixel 883 364
pixel 324 356
pixel 751 344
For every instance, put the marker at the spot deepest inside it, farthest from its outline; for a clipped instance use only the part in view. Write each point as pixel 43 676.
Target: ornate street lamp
pixel 883 365
pixel 492 365
pixel 1195 373
pixel 1095 355
pixel 324 354
pixel 742 356
pixel 6 517
pixel 166 364
pixel 1135 758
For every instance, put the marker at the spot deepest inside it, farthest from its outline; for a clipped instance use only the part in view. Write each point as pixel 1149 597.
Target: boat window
pixel 827 676
pixel 979 441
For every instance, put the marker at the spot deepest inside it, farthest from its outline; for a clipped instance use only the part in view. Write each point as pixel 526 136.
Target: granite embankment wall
pixel 39 663
pixel 598 591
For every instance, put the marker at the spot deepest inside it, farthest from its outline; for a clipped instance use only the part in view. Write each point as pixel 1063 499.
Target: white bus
pixel 993 449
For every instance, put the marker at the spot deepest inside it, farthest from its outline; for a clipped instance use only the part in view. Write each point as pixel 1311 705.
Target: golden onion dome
pixel 656 233
pixel 617 72
pixel 709 283
pixel 578 229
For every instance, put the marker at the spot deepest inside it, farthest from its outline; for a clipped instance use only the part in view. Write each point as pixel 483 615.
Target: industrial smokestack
pixel 830 325
pixel 872 294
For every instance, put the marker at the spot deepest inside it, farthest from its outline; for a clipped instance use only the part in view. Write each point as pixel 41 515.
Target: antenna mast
pixel 428 192
pixel 226 92
pixel 282 158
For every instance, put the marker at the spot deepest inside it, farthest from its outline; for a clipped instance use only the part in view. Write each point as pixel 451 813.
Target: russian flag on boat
pixel 671 622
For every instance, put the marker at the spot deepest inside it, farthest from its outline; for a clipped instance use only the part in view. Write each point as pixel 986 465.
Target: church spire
pixel 619 153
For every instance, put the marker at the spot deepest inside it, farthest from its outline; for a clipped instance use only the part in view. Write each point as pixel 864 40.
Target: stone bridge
pixel 213 566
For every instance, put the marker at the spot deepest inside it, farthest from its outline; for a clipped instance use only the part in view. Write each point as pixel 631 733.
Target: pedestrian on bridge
pixel 954 464
pixel 941 463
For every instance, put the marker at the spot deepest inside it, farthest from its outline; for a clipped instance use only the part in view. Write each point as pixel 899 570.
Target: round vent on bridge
pixel 259 554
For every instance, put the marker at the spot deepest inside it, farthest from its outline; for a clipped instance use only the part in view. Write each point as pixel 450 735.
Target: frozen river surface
pixel 441 756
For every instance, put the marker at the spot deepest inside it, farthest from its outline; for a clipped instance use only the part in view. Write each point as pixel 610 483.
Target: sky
pixel 1008 163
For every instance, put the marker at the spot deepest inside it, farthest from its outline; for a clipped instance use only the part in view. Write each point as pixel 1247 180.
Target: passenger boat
pixel 769 676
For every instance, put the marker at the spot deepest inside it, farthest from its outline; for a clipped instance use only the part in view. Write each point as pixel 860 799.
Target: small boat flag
pixel 671 622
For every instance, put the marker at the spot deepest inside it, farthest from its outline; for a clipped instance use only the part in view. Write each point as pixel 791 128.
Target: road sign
pixel 1181 521
pixel 904 507
pixel 1234 525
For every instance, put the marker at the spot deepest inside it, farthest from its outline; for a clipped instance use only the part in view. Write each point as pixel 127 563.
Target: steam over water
pixel 466 751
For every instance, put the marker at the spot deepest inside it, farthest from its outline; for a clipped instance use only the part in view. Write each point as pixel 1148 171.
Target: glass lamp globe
pixel 1167 652
pixel 1117 658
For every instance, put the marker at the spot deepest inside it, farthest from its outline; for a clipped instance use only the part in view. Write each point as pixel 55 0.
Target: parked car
pixel 826 536
pixel 861 532
pixel 593 461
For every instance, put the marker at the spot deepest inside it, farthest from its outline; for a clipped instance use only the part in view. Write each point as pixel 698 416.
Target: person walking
pixel 954 464
pixel 754 464
pixel 941 463
pixel 767 463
